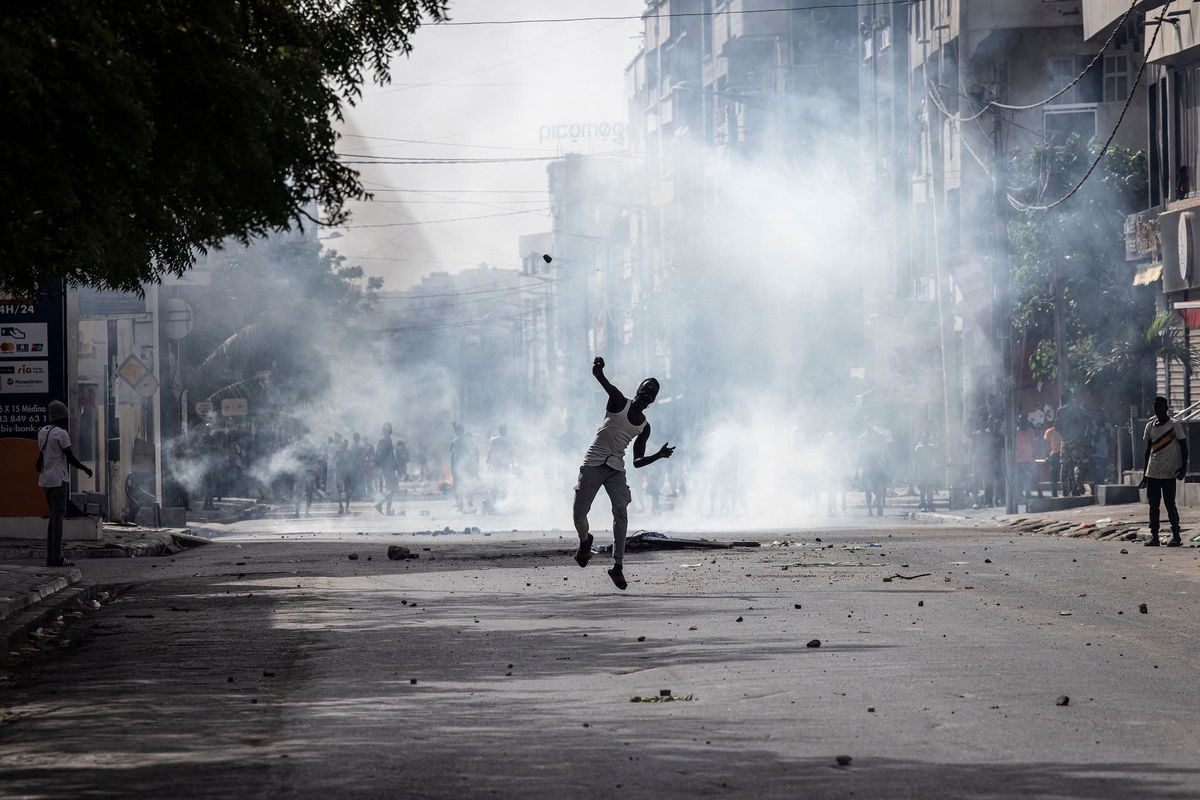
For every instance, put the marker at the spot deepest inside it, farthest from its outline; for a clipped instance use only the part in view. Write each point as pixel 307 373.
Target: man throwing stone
pixel 1166 462
pixel 604 465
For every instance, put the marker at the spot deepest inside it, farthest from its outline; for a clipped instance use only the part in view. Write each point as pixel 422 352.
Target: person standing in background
pixel 925 468
pixel 55 456
pixel 1023 447
pixel 386 467
pixel 1166 462
pixel 1054 460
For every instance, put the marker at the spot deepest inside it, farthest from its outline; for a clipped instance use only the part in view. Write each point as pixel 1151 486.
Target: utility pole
pixel 1002 280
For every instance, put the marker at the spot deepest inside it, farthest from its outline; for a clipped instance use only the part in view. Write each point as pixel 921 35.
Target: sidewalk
pixel 33 595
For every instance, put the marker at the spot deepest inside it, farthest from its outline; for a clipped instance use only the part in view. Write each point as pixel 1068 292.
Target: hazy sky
pixel 481 92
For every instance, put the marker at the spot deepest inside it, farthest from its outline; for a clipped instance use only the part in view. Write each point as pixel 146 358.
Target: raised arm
pixel 616 400
pixel 640 459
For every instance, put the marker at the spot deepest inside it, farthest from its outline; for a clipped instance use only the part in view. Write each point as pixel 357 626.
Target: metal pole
pixel 1002 274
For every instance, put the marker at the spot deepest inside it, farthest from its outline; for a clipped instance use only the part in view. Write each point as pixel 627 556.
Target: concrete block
pixel 75 529
pixel 1039 505
pixel 1113 494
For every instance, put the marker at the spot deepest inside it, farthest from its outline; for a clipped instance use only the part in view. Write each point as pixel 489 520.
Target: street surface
pixel 493 667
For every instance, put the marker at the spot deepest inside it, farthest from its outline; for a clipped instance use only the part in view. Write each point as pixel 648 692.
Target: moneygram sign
pixel 613 132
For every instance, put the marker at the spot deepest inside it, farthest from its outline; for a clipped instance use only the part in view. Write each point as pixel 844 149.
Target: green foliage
pixel 277 312
pixel 1080 246
pixel 139 134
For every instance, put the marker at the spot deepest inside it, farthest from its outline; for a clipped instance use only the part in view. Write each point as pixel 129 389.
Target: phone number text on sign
pixel 21 418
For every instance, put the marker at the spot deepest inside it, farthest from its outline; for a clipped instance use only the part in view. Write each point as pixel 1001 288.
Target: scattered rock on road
pixel 815 643
pixel 398 553
pixel 1062 700
pixel 843 761
pixel 1142 609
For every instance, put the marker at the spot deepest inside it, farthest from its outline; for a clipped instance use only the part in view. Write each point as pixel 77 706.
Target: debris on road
pixel 1062 700
pixel 653 540
pixel 353 556
pixel 1142 609
pixel 906 577
pixel 843 761
pixel 814 643
pixel 398 553
pixel 662 699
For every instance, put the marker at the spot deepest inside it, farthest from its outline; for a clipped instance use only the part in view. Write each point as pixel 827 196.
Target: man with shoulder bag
pixel 54 457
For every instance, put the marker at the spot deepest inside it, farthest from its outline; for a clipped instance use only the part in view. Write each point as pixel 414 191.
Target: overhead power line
pixel 1020 206
pixel 450 219
pixel 725 12
pixel 989 105
pixel 400 161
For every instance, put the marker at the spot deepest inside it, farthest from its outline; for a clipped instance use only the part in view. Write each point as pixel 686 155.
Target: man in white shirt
pixel 54 444
pixel 1166 462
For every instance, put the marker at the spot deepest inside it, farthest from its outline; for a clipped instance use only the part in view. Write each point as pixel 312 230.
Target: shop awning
pixel 1148 275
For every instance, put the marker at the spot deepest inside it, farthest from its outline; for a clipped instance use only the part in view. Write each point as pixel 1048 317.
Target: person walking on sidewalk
pixel 54 448
pixel 604 465
pixel 1166 462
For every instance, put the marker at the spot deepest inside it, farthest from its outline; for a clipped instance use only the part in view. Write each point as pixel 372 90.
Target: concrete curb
pixel 18 629
pixel 31 585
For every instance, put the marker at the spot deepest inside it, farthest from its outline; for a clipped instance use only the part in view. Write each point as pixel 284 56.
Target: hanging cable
pixel 989 105
pixel 1017 204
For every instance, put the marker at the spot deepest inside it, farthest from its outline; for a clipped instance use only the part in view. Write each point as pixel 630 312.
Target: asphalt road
pixel 500 669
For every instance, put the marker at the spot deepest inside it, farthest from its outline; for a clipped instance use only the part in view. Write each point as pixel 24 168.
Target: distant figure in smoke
pixel 499 465
pixel 604 465
pixel 872 466
pixel 464 467
pixel 1054 458
pixel 1166 462
pixel 925 467
pixel 1072 425
pixel 386 467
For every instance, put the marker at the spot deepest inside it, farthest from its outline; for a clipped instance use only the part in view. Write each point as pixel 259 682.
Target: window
pixel 868 48
pixel 885 37
pixel 1060 125
pixel 1065 69
pixel 1116 77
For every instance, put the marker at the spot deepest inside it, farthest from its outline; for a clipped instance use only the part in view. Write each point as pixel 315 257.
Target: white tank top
pixel 615 434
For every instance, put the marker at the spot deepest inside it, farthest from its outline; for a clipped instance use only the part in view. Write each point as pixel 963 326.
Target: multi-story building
pixel 983 79
pixel 1163 237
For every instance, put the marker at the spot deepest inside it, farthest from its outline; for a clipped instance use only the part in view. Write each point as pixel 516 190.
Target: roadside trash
pixel 640 638
pixel 920 603
pixel 689 565
pixel 664 692
pixel 782 543
pixel 987 561
pixel 739 619
pixel 397 553
pixel 1142 609
pixel 860 546
pixel 870 709
pixel 1124 552
pixel 693 628
pixel 843 761
pixel 353 556
pixel 412 681
pixel 1064 613
pixel 1062 700
pixel 1104 521
pixel 662 699
pixel 814 643
pixel 795 605
pixel 104 596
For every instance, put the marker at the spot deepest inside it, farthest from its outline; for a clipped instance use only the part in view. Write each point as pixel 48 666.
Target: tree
pixel 1073 257
pixel 279 314
pixel 141 134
